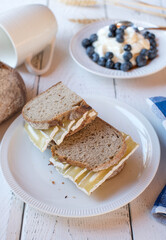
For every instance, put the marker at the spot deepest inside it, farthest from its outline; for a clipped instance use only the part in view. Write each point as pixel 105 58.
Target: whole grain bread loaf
pixel 54 106
pixel 12 92
pixel 96 147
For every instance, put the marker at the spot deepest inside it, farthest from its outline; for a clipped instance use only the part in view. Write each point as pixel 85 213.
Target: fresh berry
pixel 123 27
pixel 117 65
pixel 141 61
pixel 136 29
pixel 102 61
pixel 131 65
pixel 152 42
pixel 112 28
pixel 152 54
pixel 109 55
pixel 119 31
pixel 111 34
pixel 127 56
pixel 146 34
pixel 119 38
pixel 95 57
pixel 90 51
pixel 86 43
pixel 125 66
pixel 93 38
pixel 152 48
pixel 151 35
pixel 127 47
pixel 109 64
pixel 144 52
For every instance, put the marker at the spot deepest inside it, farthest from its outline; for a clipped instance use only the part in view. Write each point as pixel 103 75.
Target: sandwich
pixel 85 149
pixel 55 114
pixel 94 154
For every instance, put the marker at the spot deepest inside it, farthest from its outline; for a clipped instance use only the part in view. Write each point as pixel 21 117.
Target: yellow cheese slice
pixel 42 138
pixel 87 180
pixel 37 137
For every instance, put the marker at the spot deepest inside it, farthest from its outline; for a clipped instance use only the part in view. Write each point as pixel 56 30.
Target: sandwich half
pixel 54 114
pixel 92 155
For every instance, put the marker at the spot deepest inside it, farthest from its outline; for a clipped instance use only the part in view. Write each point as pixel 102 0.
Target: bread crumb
pixel 74 197
pixel 53 182
pixel 50 163
pixel 63 183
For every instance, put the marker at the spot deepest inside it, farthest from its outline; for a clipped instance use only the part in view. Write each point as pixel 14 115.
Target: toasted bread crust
pixel 80 108
pixel 116 172
pixel 59 119
pixel 101 166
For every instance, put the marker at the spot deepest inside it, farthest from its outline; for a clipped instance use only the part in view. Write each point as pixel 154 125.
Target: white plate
pixel 79 55
pixel 27 172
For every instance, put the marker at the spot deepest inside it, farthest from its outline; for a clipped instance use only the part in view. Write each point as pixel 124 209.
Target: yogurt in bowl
pixel 120 48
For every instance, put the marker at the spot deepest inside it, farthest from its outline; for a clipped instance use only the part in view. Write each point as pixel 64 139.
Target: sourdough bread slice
pixel 95 147
pixel 53 107
pixel 12 92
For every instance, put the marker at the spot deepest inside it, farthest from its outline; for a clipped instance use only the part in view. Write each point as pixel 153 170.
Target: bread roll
pixel 12 92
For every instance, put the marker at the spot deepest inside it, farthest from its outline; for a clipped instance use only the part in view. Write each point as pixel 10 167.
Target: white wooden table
pixel 133 221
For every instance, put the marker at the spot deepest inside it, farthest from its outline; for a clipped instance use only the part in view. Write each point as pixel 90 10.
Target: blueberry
pixel 112 28
pixel 93 38
pixel 136 29
pixel 144 52
pixel 111 34
pixel 146 34
pixel 119 38
pixel 109 64
pixel 102 61
pixel 109 55
pixel 141 61
pixel 90 51
pixel 130 63
pixel 152 42
pixel 151 35
pixel 117 65
pixel 127 56
pixel 127 47
pixel 152 48
pixel 152 54
pixel 86 43
pixel 125 66
pixel 95 57
pixel 120 31
pixel 123 27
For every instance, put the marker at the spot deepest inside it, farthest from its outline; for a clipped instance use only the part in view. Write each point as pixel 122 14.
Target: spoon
pixel 130 24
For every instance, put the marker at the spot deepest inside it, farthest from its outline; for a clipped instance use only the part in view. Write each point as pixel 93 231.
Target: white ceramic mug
pixel 24 32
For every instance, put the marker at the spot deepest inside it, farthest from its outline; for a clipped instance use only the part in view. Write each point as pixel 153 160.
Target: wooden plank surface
pixel 11 207
pixel 64 68
pixel 134 92
pixel 132 221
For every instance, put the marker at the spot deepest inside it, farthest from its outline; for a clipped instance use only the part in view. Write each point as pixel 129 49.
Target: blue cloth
pixel 159 208
pixel 158 106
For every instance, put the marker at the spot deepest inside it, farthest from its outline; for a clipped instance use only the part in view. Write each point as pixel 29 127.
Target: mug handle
pixel 36 71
